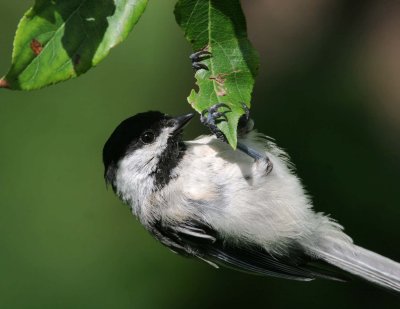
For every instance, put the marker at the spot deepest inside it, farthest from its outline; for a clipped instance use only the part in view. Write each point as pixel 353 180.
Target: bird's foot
pixel 257 156
pixel 211 116
pixel 199 56
pixel 245 124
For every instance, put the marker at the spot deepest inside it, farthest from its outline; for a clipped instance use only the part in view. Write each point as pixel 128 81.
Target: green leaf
pixel 60 39
pixel 219 26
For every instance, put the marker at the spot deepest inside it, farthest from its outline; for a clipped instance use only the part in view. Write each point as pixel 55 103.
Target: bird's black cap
pixel 126 137
pixel 127 132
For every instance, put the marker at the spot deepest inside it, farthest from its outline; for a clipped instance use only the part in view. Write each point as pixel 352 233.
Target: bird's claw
pixel 257 156
pixel 245 124
pixel 199 56
pixel 211 116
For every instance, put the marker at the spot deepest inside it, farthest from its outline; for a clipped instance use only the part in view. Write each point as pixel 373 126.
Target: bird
pixel 245 208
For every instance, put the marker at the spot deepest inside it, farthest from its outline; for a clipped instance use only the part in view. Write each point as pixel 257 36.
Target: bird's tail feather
pixel 361 262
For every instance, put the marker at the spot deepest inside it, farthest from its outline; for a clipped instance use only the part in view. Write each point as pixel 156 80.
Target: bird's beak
pixel 182 121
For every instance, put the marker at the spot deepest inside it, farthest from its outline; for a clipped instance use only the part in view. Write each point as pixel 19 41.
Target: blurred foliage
pixel 67 242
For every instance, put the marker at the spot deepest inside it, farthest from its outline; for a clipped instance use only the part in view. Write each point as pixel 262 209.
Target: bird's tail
pixel 361 262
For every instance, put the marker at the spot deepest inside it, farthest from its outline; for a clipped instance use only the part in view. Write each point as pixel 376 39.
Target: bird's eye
pixel 147 137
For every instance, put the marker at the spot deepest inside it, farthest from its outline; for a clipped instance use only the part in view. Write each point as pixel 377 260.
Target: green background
pixel 67 242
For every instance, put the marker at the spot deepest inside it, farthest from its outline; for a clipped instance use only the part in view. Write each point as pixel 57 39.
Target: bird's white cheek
pixel 135 175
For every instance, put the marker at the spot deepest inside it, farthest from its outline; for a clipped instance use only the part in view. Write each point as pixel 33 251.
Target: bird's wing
pixel 199 240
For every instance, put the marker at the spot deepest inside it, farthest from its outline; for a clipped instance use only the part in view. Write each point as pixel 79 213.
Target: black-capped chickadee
pixel 244 209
